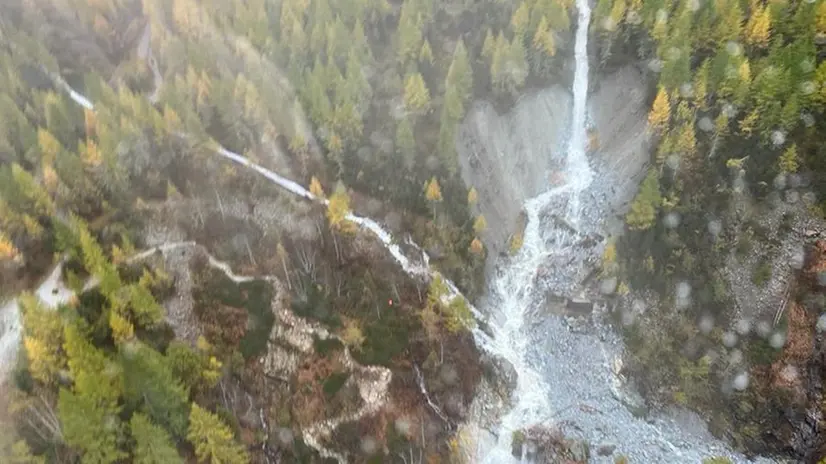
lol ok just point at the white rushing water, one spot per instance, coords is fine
(514, 291)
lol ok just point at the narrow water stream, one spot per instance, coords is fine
(515, 289)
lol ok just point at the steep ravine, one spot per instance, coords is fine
(532, 160)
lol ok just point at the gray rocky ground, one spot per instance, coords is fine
(512, 157)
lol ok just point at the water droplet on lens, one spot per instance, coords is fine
(735, 357)
(705, 124)
(742, 327)
(671, 220)
(715, 226)
(780, 181)
(729, 339)
(777, 340)
(655, 65)
(683, 290)
(778, 138)
(821, 323)
(740, 381)
(608, 286)
(734, 48)
(661, 16)
(807, 88)
(687, 90)
(763, 328)
(808, 119)
(706, 324)
(633, 18)
(673, 162)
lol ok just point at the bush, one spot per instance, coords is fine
(762, 273)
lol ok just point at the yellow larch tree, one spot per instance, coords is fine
(315, 188)
(758, 27)
(660, 111)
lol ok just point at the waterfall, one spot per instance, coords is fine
(514, 290)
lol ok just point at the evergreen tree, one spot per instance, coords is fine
(660, 111)
(459, 83)
(409, 35)
(644, 208)
(758, 28)
(405, 142)
(152, 444)
(426, 54)
(416, 94)
(91, 427)
(212, 439)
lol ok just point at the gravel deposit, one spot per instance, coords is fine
(578, 362)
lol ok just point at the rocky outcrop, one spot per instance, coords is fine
(512, 157)
(770, 238)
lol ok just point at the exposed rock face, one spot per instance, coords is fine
(544, 445)
(619, 149)
(512, 157)
(770, 235)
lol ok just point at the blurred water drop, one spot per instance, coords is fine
(797, 259)
(655, 65)
(369, 445)
(821, 323)
(608, 286)
(715, 226)
(735, 357)
(808, 119)
(633, 18)
(694, 5)
(671, 220)
(687, 90)
(740, 381)
(807, 88)
(609, 24)
(780, 181)
(733, 48)
(683, 290)
(778, 138)
(794, 181)
(705, 124)
(743, 327)
(763, 328)
(673, 162)
(777, 340)
(661, 16)
(729, 339)
(807, 65)
(673, 53)
(729, 110)
(738, 185)
(792, 196)
(403, 426)
(449, 374)
(628, 318)
(284, 435)
(706, 324)
(821, 278)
